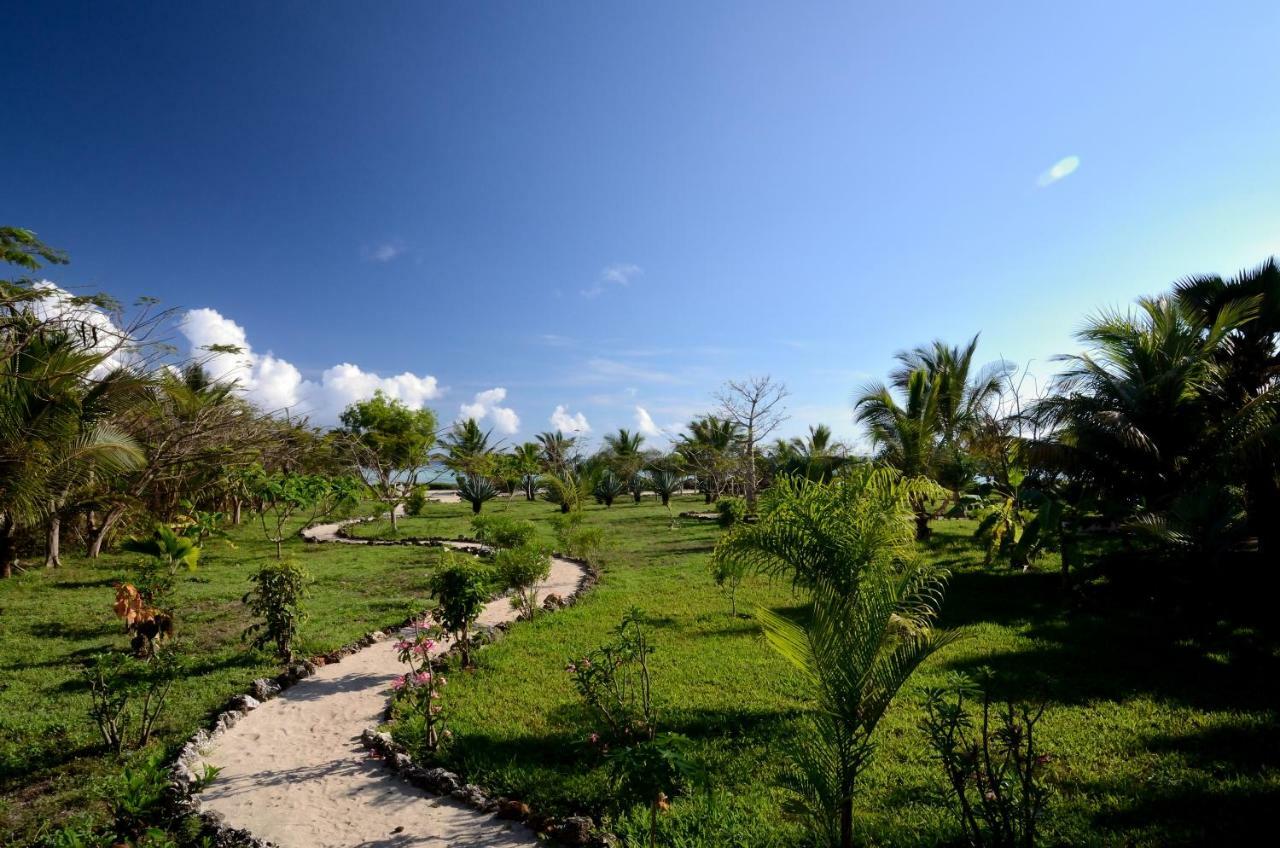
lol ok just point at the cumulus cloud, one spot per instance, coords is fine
(487, 405)
(562, 420)
(618, 275)
(274, 383)
(1061, 169)
(644, 423)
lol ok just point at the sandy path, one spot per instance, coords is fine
(294, 771)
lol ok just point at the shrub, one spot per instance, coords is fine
(503, 532)
(521, 570)
(135, 795)
(416, 501)
(461, 585)
(729, 572)
(732, 511)
(127, 695)
(573, 538)
(994, 770)
(279, 588)
(420, 690)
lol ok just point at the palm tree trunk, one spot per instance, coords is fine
(846, 823)
(8, 550)
(100, 535)
(53, 541)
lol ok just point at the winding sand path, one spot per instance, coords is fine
(293, 771)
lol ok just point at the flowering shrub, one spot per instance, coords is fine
(614, 682)
(419, 690)
(995, 771)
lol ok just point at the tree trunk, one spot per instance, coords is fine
(235, 511)
(53, 541)
(395, 521)
(846, 823)
(475, 507)
(923, 531)
(564, 506)
(749, 483)
(8, 551)
(100, 535)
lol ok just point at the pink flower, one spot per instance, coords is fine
(398, 683)
(422, 677)
(594, 738)
(403, 645)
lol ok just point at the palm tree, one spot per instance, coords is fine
(906, 435)
(961, 397)
(557, 449)
(467, 448)
(624, 443)
(816, 457)
(707, 451)
(1133, 416)
(54, 427)
(868, 626)
(527, 459)
(1249, 359)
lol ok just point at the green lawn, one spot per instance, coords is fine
(1158, 736)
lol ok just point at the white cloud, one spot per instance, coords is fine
(487, 405)
(274, 383)
(600, 368)
(644, 423)
(59, 306)
(1061, 169)
(384, 252)
(569, 424)
(619, 274)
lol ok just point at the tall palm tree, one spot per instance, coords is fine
(817, 456)
(557, 449)
(707, 450)
(850, 544)
(961, 392)
(906, 435)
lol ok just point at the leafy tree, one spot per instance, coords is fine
(868, 624)
(391, 444)
(281, 497)
(461, 588)
(277, 595)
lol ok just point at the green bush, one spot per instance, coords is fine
(521, 569)
(503, 532)
(461, 585)
(573, 539)
(732, 511)
(416, 501)
(279, 588)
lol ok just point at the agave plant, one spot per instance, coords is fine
(609, 487)
(637, 483)
(475, 490)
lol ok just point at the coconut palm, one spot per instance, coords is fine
(557, 449)
(906, 435)
(962, 393)
(816, 457)
(707, 451)
(868, 624)
(467, 449)
(527, 461)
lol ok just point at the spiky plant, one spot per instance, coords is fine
(665, 483)
(475, 490)
(566, 488)
(609, 487)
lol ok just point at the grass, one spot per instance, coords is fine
(1162, 733)
(52, 620)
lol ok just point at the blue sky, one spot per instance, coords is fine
(599, 206)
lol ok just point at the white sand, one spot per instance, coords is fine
(294, 771)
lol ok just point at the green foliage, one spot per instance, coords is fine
(566, 488)
(521, 569)
(462, 586)
(166, 552)
(475, 490)
(502, 531)
(666, 483)
(609, 487)
(614, 682)
(135, 796)
(390, 443)
(574, 538)
(467, 450)
(649, 772)
(127, 695)
(280, 497)
(732, 511)
(276, 598)
(416, 502)
(994, 767)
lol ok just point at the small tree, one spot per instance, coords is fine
(281, 497)
(390, 443)
(461, 587)
(279, 588)
(521, 570)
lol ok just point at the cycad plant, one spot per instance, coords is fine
(609, 487)
(475, 490)
(869, 622)
(665, 483)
